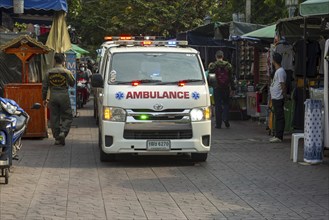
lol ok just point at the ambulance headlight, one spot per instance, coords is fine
(114, 114)
(200, 114)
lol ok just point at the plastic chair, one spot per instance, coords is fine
(294, 145)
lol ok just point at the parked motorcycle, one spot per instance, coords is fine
(13, 123)
(11, 112)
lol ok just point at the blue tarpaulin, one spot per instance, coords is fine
(55, 5)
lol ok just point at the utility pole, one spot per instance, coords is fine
(248, 10)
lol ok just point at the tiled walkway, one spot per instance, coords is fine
(244, 177)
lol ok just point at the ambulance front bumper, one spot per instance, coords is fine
(163, 138)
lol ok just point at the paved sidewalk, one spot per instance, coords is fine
(245, 177)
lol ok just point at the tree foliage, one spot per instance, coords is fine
(161, 17)
(262, 12)
(94, 19)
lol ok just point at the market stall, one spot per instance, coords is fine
(273, 44)
(307, 43)
(29, 18)
(253, 74)
(27, 93)
(320, 8)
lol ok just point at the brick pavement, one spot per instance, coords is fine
(244, 177)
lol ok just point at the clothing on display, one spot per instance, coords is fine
(287, 53)
(289, 80)
(298, 118)
(322, 43)
(263, 69)
(298, 49)
(313, 54)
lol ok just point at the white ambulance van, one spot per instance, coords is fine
(152, 99)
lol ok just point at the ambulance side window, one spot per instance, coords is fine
(107, 60)
(104, 62)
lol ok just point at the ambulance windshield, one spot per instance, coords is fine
(155, 68)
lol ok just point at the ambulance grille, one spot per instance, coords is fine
(151, 110)
(181, 134)
(159, 118)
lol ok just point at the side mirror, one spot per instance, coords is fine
(36, 106)
(97, 81)
(212, 80)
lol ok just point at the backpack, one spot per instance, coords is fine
(222, 76)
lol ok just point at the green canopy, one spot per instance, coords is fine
(314, 7)
(78, 49)
(262, 33)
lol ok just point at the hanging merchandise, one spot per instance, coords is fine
(313, 131)
(287, 53)
(246, 61)
(322, 43)
(18, 6)
(312, 51)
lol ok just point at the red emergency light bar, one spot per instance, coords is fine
(123, 37)
(135, 83)
(181, 83)
(129, 37)
(146, 43)
(108, 38)
(126, 40)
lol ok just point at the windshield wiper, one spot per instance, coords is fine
(183, 80)
(143, 81)
(148, 80)
(159, 82)
(191, 80)
(121, 82)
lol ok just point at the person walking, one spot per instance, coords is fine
(57, 80)
(223, 72)
(278, 91)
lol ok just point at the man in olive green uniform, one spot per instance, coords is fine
(58, 80)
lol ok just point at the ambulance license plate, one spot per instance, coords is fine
(158, 145)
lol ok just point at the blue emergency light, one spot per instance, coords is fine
(172, 43)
